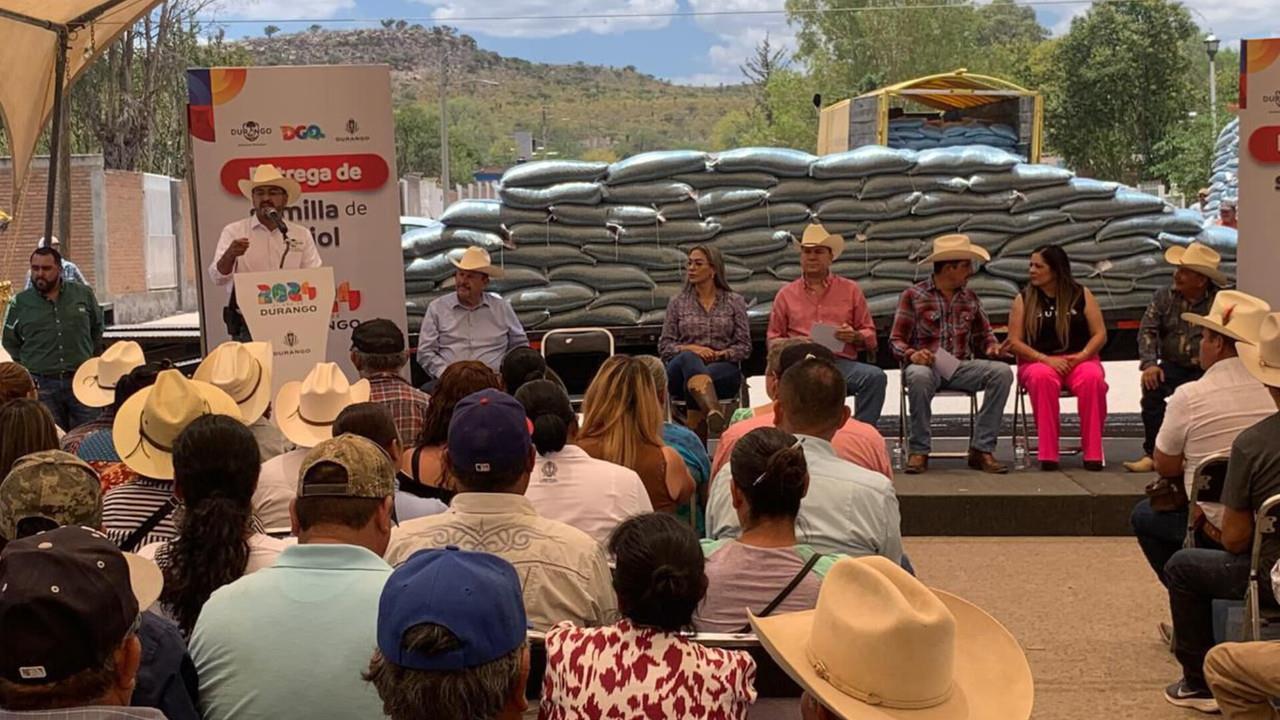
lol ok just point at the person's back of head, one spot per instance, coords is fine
(26, 426)
(660, 576)
(15, 382)
(215, 473)
(770, 473)
(811, 399)
(47, 490)
(658, 374)
(548, 408)
(489, 448)
(520, 366)
(378, 346)
(346, 487)
(370, 420)
(621, 412)
(457, 381)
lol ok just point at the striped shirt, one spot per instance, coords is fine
(408, 404)
(126, 507)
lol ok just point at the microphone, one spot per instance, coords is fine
(274, 216)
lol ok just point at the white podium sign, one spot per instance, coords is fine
(289, 309)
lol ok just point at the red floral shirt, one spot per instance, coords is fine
(619, 671)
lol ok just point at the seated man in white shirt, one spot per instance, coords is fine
(1202, 418)
(848, 509)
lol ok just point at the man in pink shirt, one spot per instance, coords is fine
(821, 299)
(857, 442)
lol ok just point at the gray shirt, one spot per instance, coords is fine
(1253, 475)
(452, 331)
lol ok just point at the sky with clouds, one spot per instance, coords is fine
(698, 49)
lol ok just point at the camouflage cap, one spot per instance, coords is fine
(50, 484)
(370, 473)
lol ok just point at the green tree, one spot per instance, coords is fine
(788, 119)
(1186, 152)
(270, 30)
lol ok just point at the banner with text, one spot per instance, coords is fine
(290, 309)
(329, 128)
(1258, 253)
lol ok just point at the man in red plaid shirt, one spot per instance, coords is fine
(379, 354)
(938, 314)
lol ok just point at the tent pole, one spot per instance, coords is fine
(55, 133)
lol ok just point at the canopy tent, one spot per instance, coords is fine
(956, 90)
(44, 46)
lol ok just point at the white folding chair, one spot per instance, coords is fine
(1264, 525)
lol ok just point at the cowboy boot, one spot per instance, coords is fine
(702, 392)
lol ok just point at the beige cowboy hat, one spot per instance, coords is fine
(243, 371)
(1198, 257)
(817, 236)
(149, 422)
(880, 645)
(305, 409)
(264, 175)
(1235, 314)
(96, 378)
(1263, 357)
(476, 259)
(955, 247)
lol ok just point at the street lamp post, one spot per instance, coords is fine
(1211, 44)
(444, 120)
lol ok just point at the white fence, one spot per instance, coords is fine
(424, 196)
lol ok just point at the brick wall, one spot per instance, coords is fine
(28, 225)
(187, 239)
(126, 233)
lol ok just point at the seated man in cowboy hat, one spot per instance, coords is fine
(94, 385)
(819, 297)
(470, 324)
(1203, 418)
(261, 241)
(1197, 576)
(941, 314)
(243, 371)
(1168, 346)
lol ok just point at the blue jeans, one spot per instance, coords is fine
(1160, 534)
(68, 412)
(993, 379)
(726, 375)
(866, 384)
(1197, 577)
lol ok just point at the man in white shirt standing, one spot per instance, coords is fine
(1202, 418)
(262, 241)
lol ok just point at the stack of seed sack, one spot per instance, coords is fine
(1224, 184)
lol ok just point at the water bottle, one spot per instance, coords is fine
(897, 455)
(1019, 454)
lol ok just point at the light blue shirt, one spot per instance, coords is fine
(452, 331)
(291, 640)
(848, 508)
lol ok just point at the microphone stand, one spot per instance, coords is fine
(284, 233)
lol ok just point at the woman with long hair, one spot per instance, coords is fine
(26, 426)
(423, 462)
(622, 423)
(660, 578)
(16, 382)
(767, 567)
(1056, 331)
(215, 471)
(704, 337)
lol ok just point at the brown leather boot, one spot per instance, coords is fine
(916, 463)
(986, 462)
(702, 392)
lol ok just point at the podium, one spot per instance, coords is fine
(291, 310)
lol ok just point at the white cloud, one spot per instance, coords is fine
(570, 16)
(281, 9)
(737, 36)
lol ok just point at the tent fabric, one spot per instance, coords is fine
(28, 54)
(952, 87)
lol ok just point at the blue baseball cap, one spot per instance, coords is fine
(475, 595)
(489, 433)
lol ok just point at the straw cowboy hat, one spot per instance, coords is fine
(956, 247)
(881, 645)
(270, 175)
(1234, 314)
(476, 259)
(1198, 257)
(817, 236)
(305, 410)
(1263, 357)
(243, 371)
(96, 378)
(149, 422)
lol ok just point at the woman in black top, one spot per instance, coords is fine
(1056, 331)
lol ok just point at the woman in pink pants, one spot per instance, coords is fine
(1056, 332)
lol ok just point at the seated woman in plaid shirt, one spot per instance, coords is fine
(938, 314)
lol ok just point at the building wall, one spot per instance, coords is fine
(126, 229)
(28, 225)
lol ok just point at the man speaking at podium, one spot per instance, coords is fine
(262, 241)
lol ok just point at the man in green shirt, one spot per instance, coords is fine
(50, 329)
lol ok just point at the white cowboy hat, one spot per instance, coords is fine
(817, 236)
(1263, 357)
(1235, 314)
(243, 371)
(96, 378)
(955, 247)
(881, 645)
(149, 422)
(305, 410)
(264, 175)
(1198, 257)
(476, 259)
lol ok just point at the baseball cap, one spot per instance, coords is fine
(801, 352)
(379, 337)
(489, 432)
(474, 595)
(370, 473)
(50, 484)
(68, 598)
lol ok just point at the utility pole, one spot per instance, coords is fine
(544, 131)
(444, 121)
